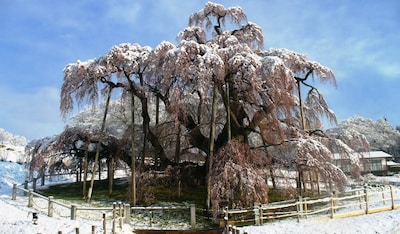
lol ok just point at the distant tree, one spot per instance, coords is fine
(380, 134)
(41, 155)
(224, 93)
(9, 138)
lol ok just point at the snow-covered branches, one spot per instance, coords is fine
(368, 134)
(217, 12)
(217, 71)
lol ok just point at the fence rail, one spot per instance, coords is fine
(351, 203)
(118, 213)
(338, 205)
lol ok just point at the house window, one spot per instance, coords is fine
(376, 165)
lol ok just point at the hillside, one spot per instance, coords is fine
(12, 147)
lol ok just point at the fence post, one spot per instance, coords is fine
(392, 196)
(30, 198)
(299, 208)
(256, 213)
(306, 208)
(14, 192)
(25, 187)
(43, 179)
(34, 181)
(120, 214)
(366, 200)
(332, 206)
(73, 212)
(104, 223)
(113, 217)
(226, 217)
(151, 218)
(127, 213)
(383, 195)
(192, 215)
(50, 208)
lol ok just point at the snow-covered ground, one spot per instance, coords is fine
(16, 217)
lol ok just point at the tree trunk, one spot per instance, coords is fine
(271, 172)
(100, 170)
(157, 110)
(96, 159)
(178, 145)
(149, 135)
(85, 168)
(228, 112)
(110, 175)
(211, 146)
(146, 126)
(133, 156)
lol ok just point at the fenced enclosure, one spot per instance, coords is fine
(357, 201)
(109, 218)
(353, 202)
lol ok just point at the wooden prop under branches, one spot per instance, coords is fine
(96, 160)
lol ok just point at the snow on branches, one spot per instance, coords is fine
(218, 64)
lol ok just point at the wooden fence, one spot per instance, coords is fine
(354, 202)
(350, 203)
(118, 214)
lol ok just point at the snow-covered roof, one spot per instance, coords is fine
(393, 164)
(371, 154)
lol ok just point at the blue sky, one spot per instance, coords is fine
(359, 40)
